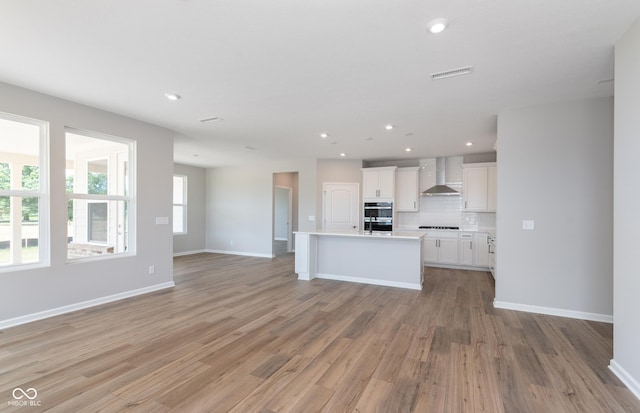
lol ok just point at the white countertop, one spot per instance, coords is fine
(402, 234)
(490, 230)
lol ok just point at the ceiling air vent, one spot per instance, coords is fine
(450, 73)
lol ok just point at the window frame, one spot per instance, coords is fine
(130, 198)
(183, 204)
(43, 195)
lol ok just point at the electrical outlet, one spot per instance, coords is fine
(527, 224)
(152, 269)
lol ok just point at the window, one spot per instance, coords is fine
(24, 187)
(179, 204)
(100, 195)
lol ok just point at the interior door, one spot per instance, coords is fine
(341, 206)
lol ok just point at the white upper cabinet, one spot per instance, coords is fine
(479, 187)
(407, 186)
(379, 184)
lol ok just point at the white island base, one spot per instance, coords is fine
(393, 260)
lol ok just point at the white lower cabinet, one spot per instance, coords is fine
(441, 247)
(474, 249)
(466, 248)
(481, 250)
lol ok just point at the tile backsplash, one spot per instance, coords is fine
(444, 211)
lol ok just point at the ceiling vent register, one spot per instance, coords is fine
(450, 73)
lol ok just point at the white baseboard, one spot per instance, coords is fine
(581, 315)
(373, 281)
(625, 377)
(247, 254)
(179, 254)
(280, 239)
(12, 322)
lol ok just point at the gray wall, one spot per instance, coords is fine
(239, 217)
(26, 292)
(555, 166)
(626, 331)
(193, 241)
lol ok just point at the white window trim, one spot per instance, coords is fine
(130, 198)
(183, 205)
(44, 216)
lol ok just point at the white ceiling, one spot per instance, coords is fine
(281, 72)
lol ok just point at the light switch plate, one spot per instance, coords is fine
(527, 224)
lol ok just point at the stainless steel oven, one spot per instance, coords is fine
(378, 216)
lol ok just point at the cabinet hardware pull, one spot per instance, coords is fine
(471, 245)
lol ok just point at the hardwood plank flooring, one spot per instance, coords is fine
(240, 334)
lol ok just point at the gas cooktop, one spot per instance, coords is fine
(438, 227)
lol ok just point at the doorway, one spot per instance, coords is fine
(285, 212)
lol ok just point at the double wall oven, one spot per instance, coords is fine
(378, 216)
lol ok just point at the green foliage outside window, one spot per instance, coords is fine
(30, 182)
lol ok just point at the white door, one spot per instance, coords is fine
(341, 206)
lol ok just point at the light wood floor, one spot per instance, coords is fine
(241, 334)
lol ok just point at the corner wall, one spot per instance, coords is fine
(626, 311)
(239, 216)
(194, 240)
(555, 167)
(28, 295)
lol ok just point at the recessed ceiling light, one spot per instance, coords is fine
(437, 25)
(368, 139)
(172, 96)
(407, 150)
(211, 119)
(343, 154)
(388, 127)
(469, 143)
(324, 135)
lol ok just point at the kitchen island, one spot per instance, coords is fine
(392, 259)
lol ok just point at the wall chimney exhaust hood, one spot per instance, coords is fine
(440, 188)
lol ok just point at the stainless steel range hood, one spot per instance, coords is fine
(440, 188)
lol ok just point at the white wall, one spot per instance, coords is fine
(24, 293)
(240, 205)
(194, 239)
(626, 311)
(555, 166)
